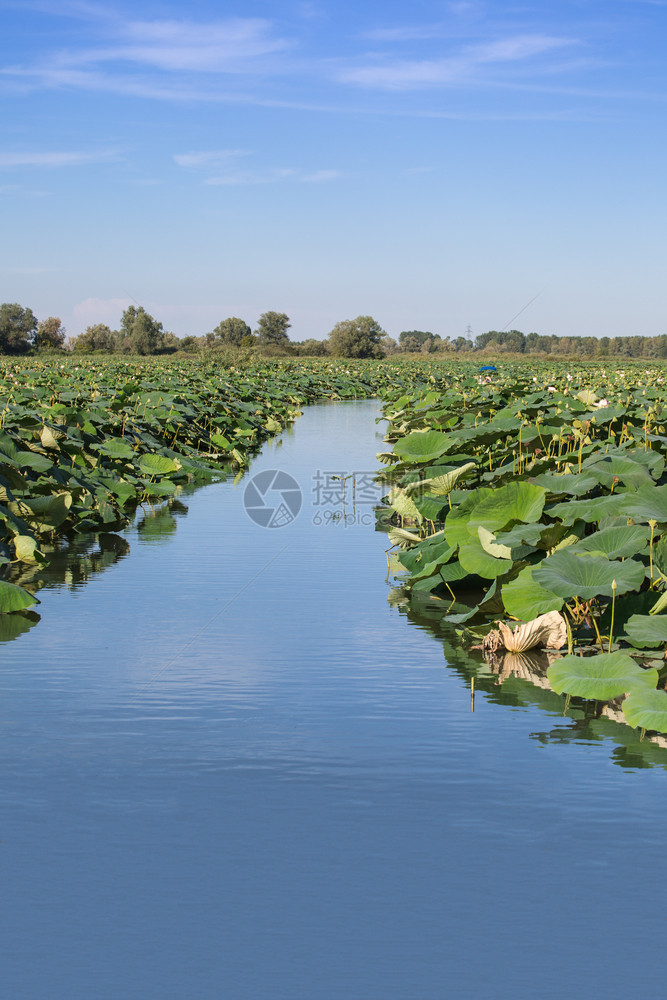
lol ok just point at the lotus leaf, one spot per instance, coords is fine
(456, 523)
(476, 560)
(648, 503)
(609, 469)
(615, 543)
(587, 575)
(600, 677)
(157, 465)
(442, 485)
(13, 598)
(33, 460)
(422, 446)
(575, 483)
(646, 709)
(514, 502)
(489, 544)
(524, 598)
(545, 632)
(114, 448)
(646, 630)
(403, 504)
(590, 510)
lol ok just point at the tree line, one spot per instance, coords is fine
(363, 337)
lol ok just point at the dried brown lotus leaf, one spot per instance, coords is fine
(546, 632)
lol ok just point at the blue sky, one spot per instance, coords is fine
(436, 165)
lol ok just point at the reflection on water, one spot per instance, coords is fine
(231, 768)
(519, 679)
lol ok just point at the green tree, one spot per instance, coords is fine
(17, 326)
(231, 331)
(96, 338)
(272, 328)
(312, 348)
(50, 334)
(413, 340)
(141, 334)
(190, 344)
(357, 338)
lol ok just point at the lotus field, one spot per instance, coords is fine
(83, 445)
(527, 508)
(541, 499)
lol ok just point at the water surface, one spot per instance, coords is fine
(232, 769)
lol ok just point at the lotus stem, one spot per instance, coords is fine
(613, 605)
(597, 630)
(652, 524)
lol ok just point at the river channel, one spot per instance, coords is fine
(232, 768)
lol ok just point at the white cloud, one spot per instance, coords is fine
(270, 176)
(273, 175)
(320, 176)
(233, 45)
(463, 67)
(55, 159)
(406, 33)
(208, 158)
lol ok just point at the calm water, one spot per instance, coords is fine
(231, 769)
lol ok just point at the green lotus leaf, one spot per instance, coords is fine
(48, 512)
(590, 510)
(431, 561)
(660, 555)
(514, 502)
(645, 631)
(615, 543)
(456, 522)
(575, 483)
(647, 709)
(13, 598)
(403, 504)
(489, 544)
(426, 550)
(422, 446)
(220, 441)
(32, 460)
(25, 547)
(587, 575)
(608, 470)
(524, 598)
(521, 535)
(157, 465)
(648, 503)
(443, 484)
(430, 507)
(475, 560)
(604, 414)
(114, 448)
(600, 677)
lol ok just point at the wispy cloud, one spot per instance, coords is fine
(55, 159)
(215, 47)
(209, 158)
(407, 33)
(320, 176)
(273, 175)
(462, 67)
